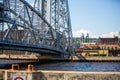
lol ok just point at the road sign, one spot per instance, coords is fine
(19, 77)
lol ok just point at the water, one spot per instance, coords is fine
(78, 66)
(9, 61)
(81, 66)
(6, 64)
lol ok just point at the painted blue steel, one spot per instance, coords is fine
(57, 46)
(10, 45)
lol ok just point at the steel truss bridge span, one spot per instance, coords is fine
(36, 26)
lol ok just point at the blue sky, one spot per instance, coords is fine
(99, 18)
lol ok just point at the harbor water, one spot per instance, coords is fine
(81, 66)
(69, 66)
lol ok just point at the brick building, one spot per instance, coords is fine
(109, 43)
(109, 40)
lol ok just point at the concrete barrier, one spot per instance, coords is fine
(57, 75)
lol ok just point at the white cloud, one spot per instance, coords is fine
(111, 34)
(79, 32)
(92, 35)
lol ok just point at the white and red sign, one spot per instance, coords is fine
(19, 78)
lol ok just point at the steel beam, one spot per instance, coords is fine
(44, 26)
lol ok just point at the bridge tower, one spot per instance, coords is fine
(42, 26)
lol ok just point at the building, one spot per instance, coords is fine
(99, 46)
(114, 40)
(109, 43)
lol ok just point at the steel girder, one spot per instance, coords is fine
(43, 23)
